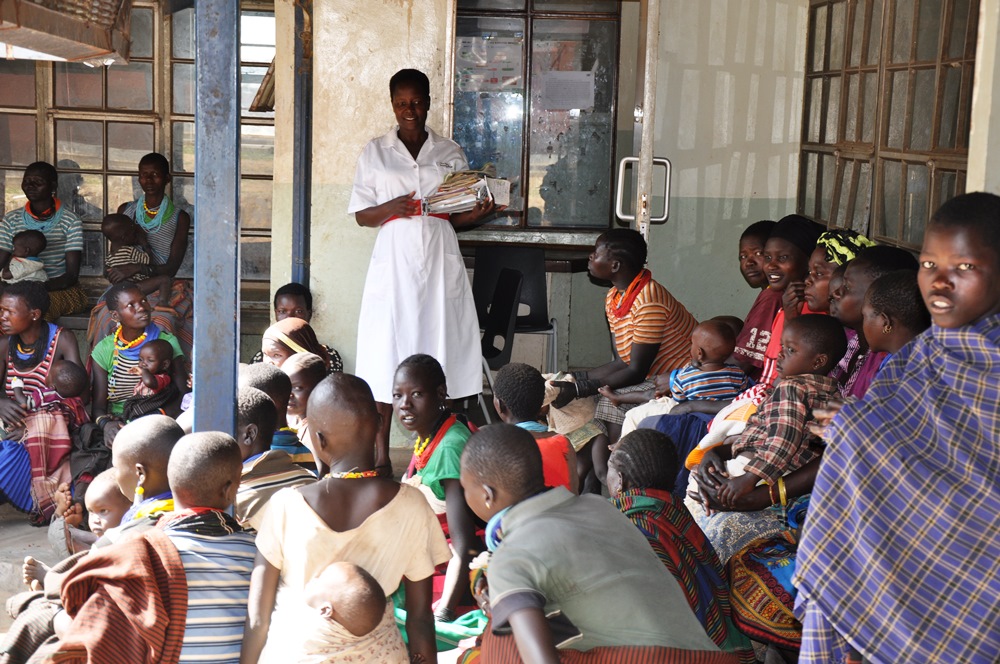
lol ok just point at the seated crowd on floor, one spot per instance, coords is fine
(813, 480)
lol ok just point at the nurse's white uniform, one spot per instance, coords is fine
(417, 297)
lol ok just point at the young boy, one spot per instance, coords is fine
(265, 471)
(548, 582)
(907, 495)
(155, 389)
(293, 300)
(24, 263)
(129, 246)
(518, 392)
(775, 440)
(275, 383)
(105, 508)
(305, 371)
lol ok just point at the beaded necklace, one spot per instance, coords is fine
(152, 219)
(351, 475)
(122, 344)
(39, 222)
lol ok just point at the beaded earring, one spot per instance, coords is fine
(139, 491)
(887, 328)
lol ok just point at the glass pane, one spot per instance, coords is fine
(250, 80)
(812, 173)
(10, 187)
(917, 190)
(575, 6)
(868, 111)
(947, 186)
(897, 109)
(929, 30)
(142, 33)
(255, 258)
(17, 139)
(875, 34)
(78, 86)
(861, 208)
(852, 108)
(949, 107)
(122, 189)
(257, 150)
(489, 98)
(182, 34)
(831, 134)
(838, 33)
(92, 260)
(828, 177)
(257, 37)
(815, 110)
(183, 84)
(819, 38)
(127, 143)
(959, 28)
(83, 193)
(255, 204)
(182, 152)
(182, 191)
(130, 87)
(902, 33)
(492, 4)
(81, 141)
(858, 32)
(844, 203)
(923, 110)
(17, 83)
(892, 174)
(572, 125)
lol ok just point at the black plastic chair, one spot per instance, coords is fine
(498, 332)
(530, 261)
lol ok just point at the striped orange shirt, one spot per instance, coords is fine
(656, 317)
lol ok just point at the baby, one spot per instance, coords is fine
(343, 594)
(129, 247)
(707, 377)
(155, 388)
(24, 263)
(65, 381)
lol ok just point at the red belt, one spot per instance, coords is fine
(432, 214)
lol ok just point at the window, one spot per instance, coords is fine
(99, 121)
(886, 113)
(535, 85)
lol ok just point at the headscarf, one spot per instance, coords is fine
(299, 336)
(798, 230)
(842, 244)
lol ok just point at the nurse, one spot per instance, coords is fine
(417, 297)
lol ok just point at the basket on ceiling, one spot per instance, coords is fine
(92, 31)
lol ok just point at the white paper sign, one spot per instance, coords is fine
(567, 90)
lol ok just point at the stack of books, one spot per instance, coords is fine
(463, 190)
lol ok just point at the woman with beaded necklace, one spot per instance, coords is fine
(117, 354)
(36, 460)
(166, 228)
(63, 232)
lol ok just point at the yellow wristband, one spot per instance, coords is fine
(781, 491)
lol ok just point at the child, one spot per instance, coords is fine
(275, 383)
(344, 597)
(265, 471)
(894, 313)
(775, 441)
(901, 529)
(548, 581)
(305, 371)
(518, 392)
(707, 377)
(65, 384)
(352, 515)
(155, 389)
(294, 300)
(24, 262)
(129, 246)
(105, 508)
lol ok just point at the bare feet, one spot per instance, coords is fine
(609, 394)
(74, 515)
(63, 499)
(33, 573)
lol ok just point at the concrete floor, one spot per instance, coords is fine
(17, 540)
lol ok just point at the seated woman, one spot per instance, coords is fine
(290, 336)
(166, 230)
(34, 454)
(352, 515)
(641, 475)
(115, 356)
(419, 394)
(293, 300)
(63, 232)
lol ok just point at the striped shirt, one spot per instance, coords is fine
(66, 234)
(218, 578)
(160, 239)
(693, 383)
(655, 317)
(263, 476)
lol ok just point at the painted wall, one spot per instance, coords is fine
(984, 132)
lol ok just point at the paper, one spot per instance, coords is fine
(500, 189)
(567, 90)
(488, 64)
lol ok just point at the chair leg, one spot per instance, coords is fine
(482, 399)
(486, 409)
(553, 354)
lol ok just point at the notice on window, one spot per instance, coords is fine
(568, 90)
(488, 64)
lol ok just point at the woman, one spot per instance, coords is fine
(32, 465)
(117, 354)
(63, 232)
(290, 336)
(417, 297)
(166, 228)
(294, 300)
(641, 475)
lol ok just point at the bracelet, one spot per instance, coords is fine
(102, 421)
(770, 493)
(781, 491)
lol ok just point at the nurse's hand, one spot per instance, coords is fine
(401, 206)
(482, 210)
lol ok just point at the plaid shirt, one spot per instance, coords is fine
(776, 435)
(899, 553)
